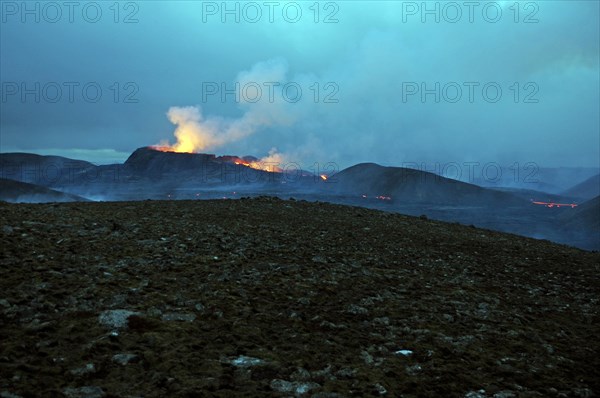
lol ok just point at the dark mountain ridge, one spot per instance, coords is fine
(154, 174)
(22, 192)
(410, 186)
(587, 189)
(44, 170)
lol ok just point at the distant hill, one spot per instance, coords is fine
(582, 225)
(410, 185)
(554, 180)
(22, 192)
(153, 174)
(584, 216)
(530, 194)
(48, 171)
(585, 190)
(23, 158)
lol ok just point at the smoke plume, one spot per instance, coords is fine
(194, 132)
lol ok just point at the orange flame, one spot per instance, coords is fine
(165, 148)
(195, 134)
(269, 163)
(262, 164)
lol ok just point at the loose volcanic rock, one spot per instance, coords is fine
(274, 298)
(115, 318)
(84, 392)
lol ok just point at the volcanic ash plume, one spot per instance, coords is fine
(192, 133)
(196, 133)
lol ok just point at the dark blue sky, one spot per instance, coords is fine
(361, 68)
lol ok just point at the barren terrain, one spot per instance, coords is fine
(267, 297)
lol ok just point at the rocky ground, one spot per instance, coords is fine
(266, 297)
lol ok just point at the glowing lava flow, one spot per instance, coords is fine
(270, 167)
(552, 204)
(380, 197)
(164, 148)
(269, 164)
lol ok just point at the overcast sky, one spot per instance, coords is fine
(504, 82)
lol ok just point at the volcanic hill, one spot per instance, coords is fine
(22, 192)
(275, 298)
(586, 189)
(416, 186)
(150, 173)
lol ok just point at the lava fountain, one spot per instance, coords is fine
(195, 134)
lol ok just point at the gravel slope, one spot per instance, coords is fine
(266, 297)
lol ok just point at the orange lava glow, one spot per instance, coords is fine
(167, 148)
(379, 197)
(552, 204)
(259, 165)
(265, 164)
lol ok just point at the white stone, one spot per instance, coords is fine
(244, 361)
(115, 318)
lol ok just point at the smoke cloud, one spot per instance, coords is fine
(195, 133)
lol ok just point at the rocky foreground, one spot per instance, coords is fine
(266, 297)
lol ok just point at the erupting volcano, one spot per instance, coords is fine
(272, 167)
(195, 134)
(271, 163)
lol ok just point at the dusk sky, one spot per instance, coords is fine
(340, 81)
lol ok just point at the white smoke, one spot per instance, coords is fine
(195, 132)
